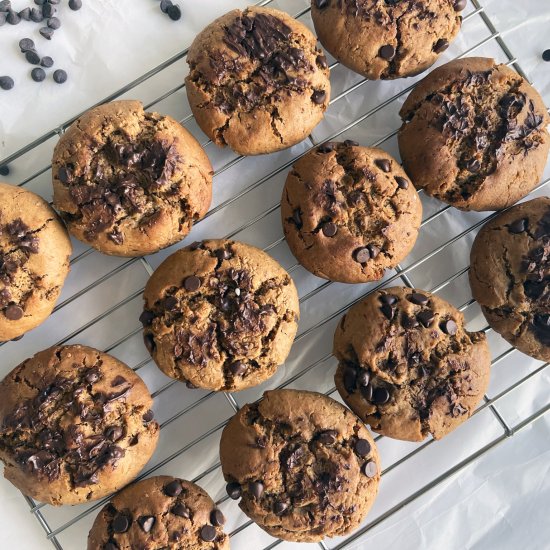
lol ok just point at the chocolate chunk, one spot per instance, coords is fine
(326, 147)
(350, 379)
(426, 317)
(217, 518)
(256, 488)
(519, 226)
(441, 45)
(418, 299)
(164, 5)
(363, 378)
(208, 533)
(60, 76)
(318, 97)
(380, 396)
(237, 368)
(173, 489)
(367, 391)
(234, 490)
(387, 52)
(13, 313)
(46, 32)
(362, 447)
(114, 433)
(181, 510)
(192, 283)
(6, 82)
(146, 523)
(402, 183)
(449, 327)
(329, 229)
(26, 44)
(146, 318)
(32, 57)
(279, 507)
(38, 74)
(4, 168)
(174, 12)
(75, 5)
(328, 437)
(148, 416)
(223, 254)
(120, 523)
(361, 255)
(459, 5)
(46, 62)
(369, 469)
(170, 303)
(388, 311)
(383, 164)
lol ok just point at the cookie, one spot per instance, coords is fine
(303, 466)
(412, 369)
(474, 135)
(390, 39)
(34, 260)
(257, 82)
(75, 425)
(220, 315)
(510, 276)
(161, 512)
(130, 182)
(349, 212)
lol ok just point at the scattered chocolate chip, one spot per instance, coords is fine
(387, 52)
(328, 437)
(75, 5)
(60, 76)
(54, 23)
(361, 255)
(546, 55)
(367, 391)
(48, 10)
(146, 523)
(234, 490)
(459, 5)
(350, 379)
(5, 5)
(192, 283)
(46, 32)
(38, 74)
(362, 447)
(369, 468)
(256, 488)
(181, 510)
(174, 12)
(32, 57)
(208, 533)
(217, 518)
(519, 226)
(402, 183)
(380, 396)
(173, 489)
(6, 82)
(36, 15)
(388, 311)
(13, 18)
(25, 14)
(237, 368)
(120, 523)
(449, 327)
(329, 229)
(318, 96)
(418, 299)
(13, 313)
(4, 170)
(148, 416)
(441, 45)
(26, 44)
(114, 433)
(426, 317)
(351, 143)
(383, 164)
(165, 4)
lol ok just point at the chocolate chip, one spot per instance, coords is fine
(362, 447)
(279, 507)
(5, 5)
(361, 255)
(146, 318)
(321, 60)
(256, 488)
(322, 4)
(329, 229)
(380, 396)
(373, 250)
(146, 523)
(64, 174)
(92, 377)
(114, 433)
(36, 15)
(6, 82)
(149, 341)
(46, 62)
(389, 299)
(120, 523)
(192, 283)
(60, 76)
(542, 320)
(449, 327)
(350, 379)
(173, 489)
(208, 533)
(402, 183)
(32, 57)
(223, 254)
(54, 23)
(75, 5)
(181, 510)
(48, 10)
(459, 5)
(297, 218)
(383, 164)
(328, 437)
(367, 391)
(13, 18)
(38, 74)
(318, 96)
(164, 5)
(217, 518)
(418, 299)
(4, 169)
(546, 55)
(234, 490)
(237, 368)
(441, 45)
(388, 311)
(13, 313)
(369, 469)
(170, 303)
(148, 416)
(473, 166)
(519, 226)
(387, 52)
(351, 143)
(46, 32)
(426, 317)
(26, 44)
(25, 14)
(363, 378)
(174, 12)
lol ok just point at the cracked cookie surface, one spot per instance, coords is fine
(34, 260)
(474, 135)
(386, 39)
(130, 182)
(220, 315)
(161, 512)
(510, 276)
(349, 212)
(257, 81)
(303, 465)
(407, 366)
(75, 425)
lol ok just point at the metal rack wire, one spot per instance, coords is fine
(57, 525)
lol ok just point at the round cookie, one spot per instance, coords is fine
(412, 369)
(34, 260)
(161, 512)
(130, 182)
(387, 39)
(510, 276)
(220, 315)
(349, 212)
(257, 81)
(75, 425)
(304, 466)
(474, 135)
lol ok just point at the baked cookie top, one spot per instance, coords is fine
(257, 81)
(303, 465)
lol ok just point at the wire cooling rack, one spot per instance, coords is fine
(101, 301)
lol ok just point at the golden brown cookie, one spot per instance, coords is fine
(510, 276)
(474, 135)
(158, 513)
(304, 466)
(408, 366)
(220, 315)
(75, 425)
(34, 260)
(130, 182)
(349, 212)
(257, 81)
(387, 38)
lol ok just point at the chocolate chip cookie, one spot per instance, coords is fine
(412, 369)
(75, 425)
(474, 135)
(257, 81)
(387, 39)
(303, 466)
(220, 315)
(34, 260)
(510, 276)
(130, 182)
(159, 513)
(349, 212)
